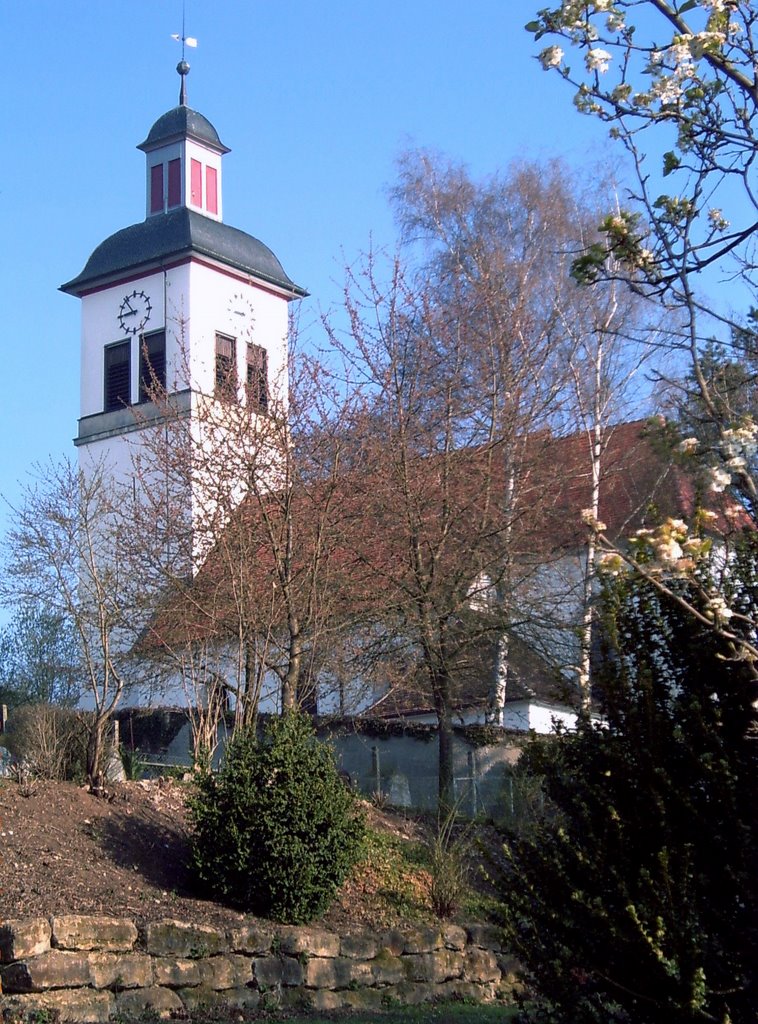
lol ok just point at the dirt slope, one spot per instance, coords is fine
(65, 851)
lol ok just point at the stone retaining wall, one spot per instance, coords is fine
(95, 968)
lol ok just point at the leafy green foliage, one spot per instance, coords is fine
(276, 831)
(633, 899)
(394, 864)
(39, 659)
(132, 762)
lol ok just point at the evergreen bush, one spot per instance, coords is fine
(276, 831)
(632, 900)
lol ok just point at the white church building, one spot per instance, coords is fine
(185, 305)
(179, 301)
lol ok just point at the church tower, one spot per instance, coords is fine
(180, 303)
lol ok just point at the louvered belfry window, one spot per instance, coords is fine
(257, 377)
(117, 376)
(152, 366)
(226, 368)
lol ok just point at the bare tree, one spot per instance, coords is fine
(248, 601)
(462, 362)
(614, 348)
(473, 351)
(65, 549)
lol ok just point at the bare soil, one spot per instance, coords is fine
(66, 851)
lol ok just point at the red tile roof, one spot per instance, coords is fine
(365, 545)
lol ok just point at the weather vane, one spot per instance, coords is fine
(183, 67)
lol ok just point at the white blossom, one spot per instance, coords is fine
(551, 57)
(706, 42)
(717, 219)
(589, 519)
(696, 546)
(644, 259)
(667, 89)
(597, 60)
(720, 479)
(668, 550)
(688, 445)
(742, 440)
(680, 54)
(718, 610)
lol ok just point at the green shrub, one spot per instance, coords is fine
(276, 831)
(132, 762)
(633, 899)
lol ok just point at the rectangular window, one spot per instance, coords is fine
(156, 189)
(211, 190)
(226, 368)
(196, 183)
(257, 377)
(174, 183)
(117, 375)
(152, 366)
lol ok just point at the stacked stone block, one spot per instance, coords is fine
(96, 968)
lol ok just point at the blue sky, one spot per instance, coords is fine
(316, 100)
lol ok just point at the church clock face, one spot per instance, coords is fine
(134, 312)
(242, 310)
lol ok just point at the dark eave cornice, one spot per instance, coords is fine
(170, 236)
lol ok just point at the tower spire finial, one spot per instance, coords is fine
(183, 67)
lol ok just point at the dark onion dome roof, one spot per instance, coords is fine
(168, 236)
(182, 122)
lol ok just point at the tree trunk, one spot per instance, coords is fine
(292, 678)
(495, 712)
(252, 688)
(96, 751)
(445, 767)
(446, 780)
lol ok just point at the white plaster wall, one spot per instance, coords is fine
(549, 603)
(220, 302)
(178, 334)
(520, 716)
(193, 302)
(178, 685)
(525, 716)
(100, 327)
